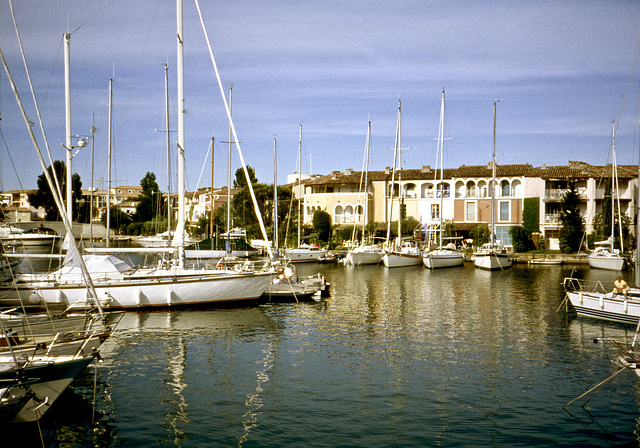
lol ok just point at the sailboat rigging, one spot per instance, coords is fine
(493, 255)
(119, 285)
(304, 252)
(407, 252)
(449, 255)
(606, 256)
(365, 253)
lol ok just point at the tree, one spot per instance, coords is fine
(480, 234)
(572, 229)
(119, 218)
(43, 197)
(531, 215)
(520, 238)
(150, 205)
(322, 225)
(241, 180)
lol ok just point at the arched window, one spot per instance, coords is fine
(460, 189)
(505, 189)
(443, 190)
(359, 216)
(410, 190)
(483, 189)
(471, 189)
(396, 190)
(339, 214)
(516, 188)
(348, 214)
(427, 190)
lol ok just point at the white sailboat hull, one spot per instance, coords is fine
(299, 255)
(398, 260)
(443, 259)
(359, 257)
(606, 306)
(612, 262)
(492, 261)
(165, 288)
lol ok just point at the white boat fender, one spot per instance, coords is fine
(35, 298)
(602, 302)
(626, 306)
(580, 297)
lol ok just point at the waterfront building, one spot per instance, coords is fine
(467, 196)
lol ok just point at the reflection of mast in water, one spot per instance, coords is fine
(254, 399)
(175, 384)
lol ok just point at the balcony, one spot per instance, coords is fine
(557, 194)
(348, 219)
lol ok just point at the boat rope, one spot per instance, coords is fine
(235, 134)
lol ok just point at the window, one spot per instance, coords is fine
(435, 212)
(503, 210)
(470, 211)
(505, 190)
(427, 190)
(516, 188)
(482, 186)
(410, 190)
(471, 189)
(348, 214)
(441, 189)
(460, 189)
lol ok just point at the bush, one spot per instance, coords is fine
(521, 241)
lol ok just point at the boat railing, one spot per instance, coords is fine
(572, 284)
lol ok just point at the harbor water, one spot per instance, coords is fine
(401, 357)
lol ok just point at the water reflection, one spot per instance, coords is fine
(408, 357)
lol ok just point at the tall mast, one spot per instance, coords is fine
(67, 113)
(167, 125)
(441, 133)
(393, 175)
(299, 184)
(400, 189)
(109, 140)
(493, 177)
(615, 188)
(366, 182)
(229, 164)
(637, 260)
(93, 139)
(275, 199)
(213, 141)
(181, 138)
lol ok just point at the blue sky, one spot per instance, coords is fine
(563, 71)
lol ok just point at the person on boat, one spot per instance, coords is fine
(620, 286)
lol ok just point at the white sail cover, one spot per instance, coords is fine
(97, 263)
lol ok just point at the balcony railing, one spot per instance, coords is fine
(558, 193)
(349, 219)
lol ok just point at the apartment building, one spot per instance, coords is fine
(462, 196)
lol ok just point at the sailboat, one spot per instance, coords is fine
(119, 285)
(303, 252)
(448, 255)
(493, 255)
(405, 252)
(606, 256)
(365, 253)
